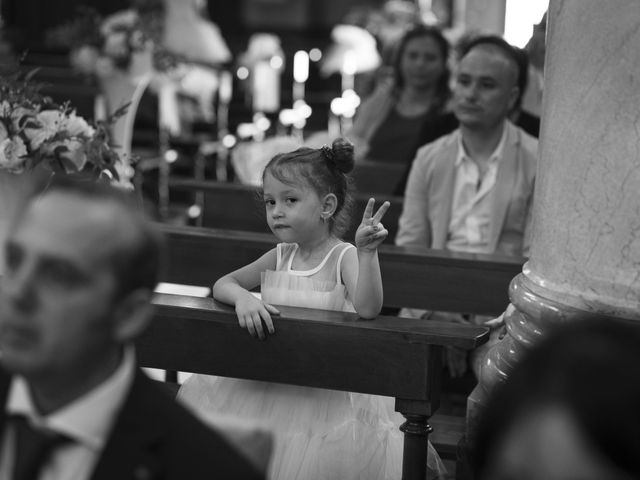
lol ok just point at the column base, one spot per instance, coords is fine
(531, 313)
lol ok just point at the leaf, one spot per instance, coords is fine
(119, 112)
(31, 74)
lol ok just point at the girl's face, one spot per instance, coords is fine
(421, 63)
(293, 211)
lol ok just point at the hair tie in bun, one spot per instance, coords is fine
(328, 154)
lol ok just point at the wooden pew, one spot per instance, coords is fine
(62, 84)
(238, 207)
(376, 178)
(395, 357)
(418, 278)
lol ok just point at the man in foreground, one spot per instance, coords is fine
(81, 266)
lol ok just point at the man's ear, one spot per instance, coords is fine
(513, 97)
(133, 314)
(329, 205)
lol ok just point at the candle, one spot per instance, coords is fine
(225, 93)
(225, 90)
(334, 126)
(300, 74)
(336, 110)
(301, 66)
(349, 65)
(266, 88)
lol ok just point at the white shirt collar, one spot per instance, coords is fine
(87, 419)
(495, 157)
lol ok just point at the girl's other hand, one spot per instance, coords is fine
(252, 312)
(371, 233)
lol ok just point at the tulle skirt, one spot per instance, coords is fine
(319, 434)
(279, 287)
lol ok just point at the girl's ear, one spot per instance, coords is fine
(329, 205)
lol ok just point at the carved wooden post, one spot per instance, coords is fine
(585, 256)
(416, 429)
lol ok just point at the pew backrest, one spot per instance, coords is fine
(418, 278)
(239, 207)
(387, 356)
(376, 178)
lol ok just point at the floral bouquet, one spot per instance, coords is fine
(120, 37)
(103, 45)
(35, 131)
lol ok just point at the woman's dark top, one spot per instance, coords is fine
(396, 139)
(434, 127)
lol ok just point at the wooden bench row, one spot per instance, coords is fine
(239, 207)
(396, 357)
(418, 278)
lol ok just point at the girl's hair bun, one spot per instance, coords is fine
(340, 156)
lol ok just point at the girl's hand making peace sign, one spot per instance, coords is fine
(371, 233)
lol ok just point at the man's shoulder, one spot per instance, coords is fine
(187, 440)
(438, 149)
(527, 143)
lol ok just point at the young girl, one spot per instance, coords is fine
(320, 434)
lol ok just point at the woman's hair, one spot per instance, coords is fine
(443, 91)
(324, 169)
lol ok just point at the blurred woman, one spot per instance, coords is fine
(406, 110)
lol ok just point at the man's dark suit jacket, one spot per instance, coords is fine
(155, 438)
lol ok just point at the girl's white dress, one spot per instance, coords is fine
(320, 434)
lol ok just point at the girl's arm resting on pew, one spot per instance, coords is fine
(234, 289)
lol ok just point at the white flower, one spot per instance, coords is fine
(84, 59)
(262, 46)
(74, 152)
(4, 134)
(77, 126)
(123, 18)
(105, 67)
(50, 122)
(116, 45)
(71, 152)
(12, 153)
(350, 38)
(19, 117)
(5, 109)
(137, 39)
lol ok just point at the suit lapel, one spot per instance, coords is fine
(443, 185)
(131, 451)
(503, 188)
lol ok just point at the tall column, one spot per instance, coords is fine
(585, 256)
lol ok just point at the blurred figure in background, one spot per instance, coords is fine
(472, 190)
(569, 409)
(188, 33)
(535, 49)
(405, 111)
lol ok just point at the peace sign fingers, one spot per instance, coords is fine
(380, 213)
(368, 218)
(368, 212)
(371, 232)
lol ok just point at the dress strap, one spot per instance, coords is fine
(338, 266)
(314, 270)
(278, 256)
